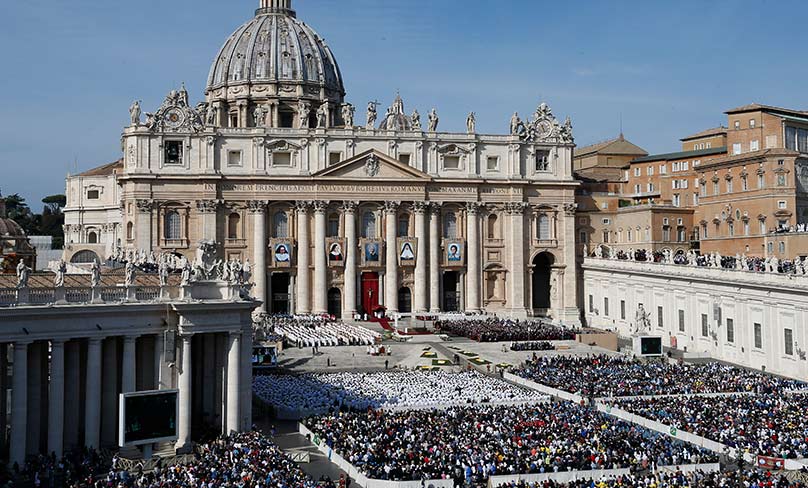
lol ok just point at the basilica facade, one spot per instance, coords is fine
(344, 216)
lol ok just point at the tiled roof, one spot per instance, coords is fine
(770, 108)
(681, 155)
(105, 170)
(618, 145)
(706, 133)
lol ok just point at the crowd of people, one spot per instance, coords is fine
(317, 393)
(314, 331)
(497, 329)
(613, 376)
(532, 346)
(747, 478)
(769, 425)
(470, 444)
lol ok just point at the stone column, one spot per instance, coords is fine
(303, 259)
(56, 398)
(19, 404)
(258, 211)
(245, 380)
(185, 376)
(320, 263)
(420, 258)
(128, 365)
(351, 251)
(109, 391)
(517, 265)
(3, 388)
(72, 394)
(207, 210)
(474, 270)
(233, 381)
(159, 345)
(434, 257)
(391, 257)
(92, 402)
(569, 279)
(34, 426)
(143, 224)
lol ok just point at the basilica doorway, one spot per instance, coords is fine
(542, 265)
(335, 302)
(280, 293)
(370, 292)
(451, 292)
(404, 300)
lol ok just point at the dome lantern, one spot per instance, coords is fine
(275, 7)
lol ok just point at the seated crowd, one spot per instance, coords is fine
(247, 460)
(315, 331)
(316, 393)
(495, 329)
(748, 478)
(532, 346)
(473, 443)
(607, 376)
(769, 425)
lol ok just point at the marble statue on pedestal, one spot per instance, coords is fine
(134, 113)
(416, 120)
(371, 115)
(59, 278)
(129, 274)
(95, 275)
(471, 123)
(433, 120)
(23, 273)
(348, 112)
(642, 321)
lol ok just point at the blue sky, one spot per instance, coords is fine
(71, 68)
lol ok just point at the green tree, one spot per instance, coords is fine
(52, 220)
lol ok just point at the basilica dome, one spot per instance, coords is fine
(275, 55)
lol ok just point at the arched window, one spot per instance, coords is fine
(92, 237)
(450, 226)
(173, 225)
(233, 223)
(84, 257)
(368, 224)
(403, 227)
(493, 227)
(130, 231)
(333, 225)
(544, 227)
(280, 225)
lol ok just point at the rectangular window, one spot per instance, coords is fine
(605, 307)
(622, 310)
(233, 159)
(736, 148)
(729, 186)
(751, 123)
(282, 159)
(802, 141)
(681, 320)
(746, 228)
(93, 194)
(637, 171)
(666, 234)
(791, 138)
(591, 303)
(173, 152)
(716, 190)
(605, 236)
(677, 201)
(542, 160)
(744, 183)
(781, 204)
(782, 247)
(650, 171)
(637, 189)
(730, 331)
(737, 124)
(492, 163)
(663, 169)
(660, 317)
(758, 328)
(650, 187)
(584, 237)
(761, 181)
(685, 165)
(754, 145)
(451, 162)
(705, 326)
(781, 180)
(788, 336)
(334, 158)
(404, 158)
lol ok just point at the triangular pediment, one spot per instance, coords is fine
(374, 165)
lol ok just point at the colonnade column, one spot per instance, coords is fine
(92, 402)
(474, 271)
(56, 398)
(434, 257)
(351, 250)
(421, 258)
(233, 381)
(303, 263)
(72, 394)
(516, 249)
(184, 420)
(391, 258)
(3, 389)
(19, 404)
(159, 345)
(320, 264)
(128, 364)
(258, 211)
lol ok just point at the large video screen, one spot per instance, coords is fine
(651, 346)
(149, 417)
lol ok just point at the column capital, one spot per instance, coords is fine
(302, 206)
(349, 206)
(570, 208)
(320, 206)
(145, 206)
(131, 338)
(420, 207)
(473, 208)
(207, 206)
(434, 207)
(256, 206)
(236, 333)
(391, 206)
(515, 208)
(58, 342)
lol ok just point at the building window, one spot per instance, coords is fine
(173, 225)
(282, 159)
(583, 237)
(781, 204)
(716, 189)
(403, 227)
(605, 237)
(736, 148)
(591, 304)
(782, 247)
(781, 180)
(731, 228)
(754, 145)
(659, 317)
(666, 234)
(493, 228)
(680, 234)
(770, 247)
(637, 171)
(130, 231)
(451, 162)
(544, 227)
(744, 183)
(704, 231)
(663, 169)
(233, 222)
(729, 186)
(280, 225)
(542, 160)
(333, 225)
(450, 226)
(404, 158)
(737, 124)
(649, 171)
(92, 238)
(751, 123)
(758, 328)
(705, 327)
(761, 181)
(93, 194)
(622, 310)
(234, 159)
(681, 320)
(677, 200)
(788, 336)
(173, 152)
(492, 163)
(605, 307)
(746, 228)
(334, 158)
(637, 189)
(628, 235)
(730, 330)
(650, 187)
(369, 225)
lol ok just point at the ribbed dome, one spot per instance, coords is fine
(9, 228)
(275, 48)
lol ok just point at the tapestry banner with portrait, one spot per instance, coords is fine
(407, 249)
(371, 252)
(454, 252)
(281, 251)
(335, 251)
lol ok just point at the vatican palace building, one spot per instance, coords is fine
(337, 211)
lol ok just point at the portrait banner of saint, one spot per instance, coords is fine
(454, 253)
(406, 251)
(371, 253)
(282, 254)
(336, 252)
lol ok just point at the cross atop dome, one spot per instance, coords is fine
(275, 7)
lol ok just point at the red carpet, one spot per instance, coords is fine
(385, 323)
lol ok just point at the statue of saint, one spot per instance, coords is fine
(322, 116)
(416, 120)
(212, 114)
(303, 109)
(471, 123)
(371, 115)
(129, 278)
(59, 279)
(162, 271)
(23, 273)
(186, 273)
(95, 275)
(348, 112)
(433, 120)
(134, 113)
(515, 123)
(260, 116)
(182, 97)
(642, 319)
